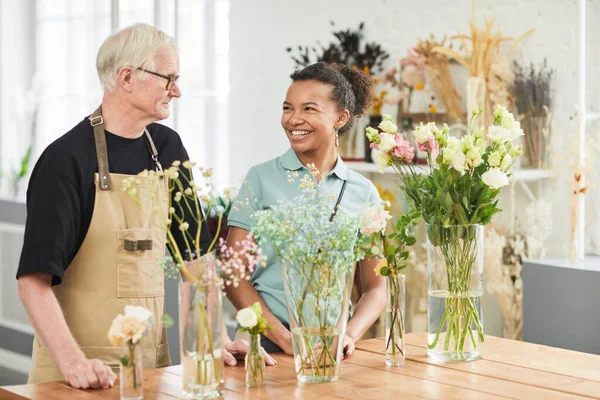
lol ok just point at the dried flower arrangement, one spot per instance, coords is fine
(348, 50)
(532, 91)
(491, 75)
(437, 67)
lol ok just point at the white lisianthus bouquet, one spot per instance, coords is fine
(457, 195)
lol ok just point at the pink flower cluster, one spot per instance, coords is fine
(431, 146)
(237, 263)
(403, 149)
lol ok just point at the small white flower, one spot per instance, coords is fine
(188, 164)
(176, 163)
(386, 117)
(494, 159)
(424, 132)
(495, 178)
(372, 134)
(506, 162)
(498, 134)
(387, 142)
(177, 197)
(247, 318)
(381, 159)
(389, 127)
(459, 161)
(207, 173)
(184, 226)
(188, 191)
(516, 151)
(448, 154)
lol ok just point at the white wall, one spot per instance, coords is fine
(260, 67)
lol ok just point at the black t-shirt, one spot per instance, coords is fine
(61, 192)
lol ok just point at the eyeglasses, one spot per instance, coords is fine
(171, 79)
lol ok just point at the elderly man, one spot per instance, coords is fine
(75, 275)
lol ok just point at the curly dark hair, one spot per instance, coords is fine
(351, 87)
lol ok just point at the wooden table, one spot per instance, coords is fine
(510, 369)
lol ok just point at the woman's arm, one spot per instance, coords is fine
(369, 306)
(245, 295)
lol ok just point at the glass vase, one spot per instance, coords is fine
(131, 373)
(455, 290)
(394, 333)
(535, 141)
(255, 363)
(200, 332)
(318, 301)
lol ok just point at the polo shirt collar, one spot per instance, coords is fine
(290, 161)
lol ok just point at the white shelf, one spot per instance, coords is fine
(520, 175)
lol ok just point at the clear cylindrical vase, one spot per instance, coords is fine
(318, 301)
(200, 332)
(131, 372)
(455, 290)
(394, 333)
(255, 363)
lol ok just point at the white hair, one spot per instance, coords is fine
(134, 46)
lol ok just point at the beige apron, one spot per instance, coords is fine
(109, 271)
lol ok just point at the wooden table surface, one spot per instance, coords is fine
(510, 369)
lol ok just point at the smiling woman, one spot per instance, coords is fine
(321, 103)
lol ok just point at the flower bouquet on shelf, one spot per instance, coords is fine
(205, 271)
(126, 331)
(318, 250)
(392, 250)
(457, 196)
(252, 321)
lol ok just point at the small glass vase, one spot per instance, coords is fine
(131, 372)
(394, 333)
(455, 290)
(255, 363)
(318, 301)
(200, 332)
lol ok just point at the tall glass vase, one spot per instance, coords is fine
(200, 332)
(455, 290)
(318, 301)
(131, 374)
(394, 333)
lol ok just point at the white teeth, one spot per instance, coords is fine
(300, 133)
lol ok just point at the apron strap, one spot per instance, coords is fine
(101, 153)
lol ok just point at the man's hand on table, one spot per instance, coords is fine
(89, 374)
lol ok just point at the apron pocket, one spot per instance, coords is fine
(140, 256)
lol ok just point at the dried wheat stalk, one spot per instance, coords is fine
(437, 67)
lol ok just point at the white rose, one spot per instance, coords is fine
(495, 178)
(423, 132)
(498, 134)
(247, 318)
(459, 161)
(387, 142)
(137, 312)
(494, 159)
(389, 127)
(381, 159)
(516, 151)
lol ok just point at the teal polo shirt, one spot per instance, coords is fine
(264, 186)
